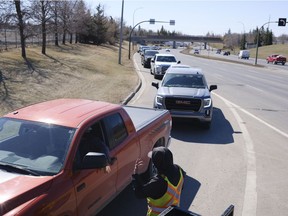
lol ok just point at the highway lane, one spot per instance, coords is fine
(242, 159)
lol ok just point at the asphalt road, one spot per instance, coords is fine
(242, 160)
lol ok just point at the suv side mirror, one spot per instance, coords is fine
(155, 84)
(179, 62)
(212, 87)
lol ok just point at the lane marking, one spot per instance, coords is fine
(253, 116)
(250, 194)
(257, 89)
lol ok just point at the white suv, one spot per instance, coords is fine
(160, 63)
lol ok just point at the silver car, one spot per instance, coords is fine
(185, 93)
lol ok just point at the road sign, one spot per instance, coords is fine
(152, 21)
(282, 22)
(172, 22)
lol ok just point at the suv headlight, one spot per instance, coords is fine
(207, 102)
(158, 68)
(159, 100)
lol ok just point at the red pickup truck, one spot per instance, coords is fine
(275, 59)
(48, 168)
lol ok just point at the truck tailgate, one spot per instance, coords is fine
(143, 116)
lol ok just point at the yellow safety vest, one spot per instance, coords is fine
(171, 197)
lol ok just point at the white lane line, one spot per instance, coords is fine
(250, 196)
(257, 89)
(255, 117)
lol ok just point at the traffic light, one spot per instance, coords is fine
(282, 22)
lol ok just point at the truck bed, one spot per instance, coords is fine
(143, 116)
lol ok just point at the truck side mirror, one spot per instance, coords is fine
(94, 160)
(179, 62)
(155, 84)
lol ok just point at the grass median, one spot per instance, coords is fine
(68, 71)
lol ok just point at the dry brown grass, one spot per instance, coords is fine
(68, 71)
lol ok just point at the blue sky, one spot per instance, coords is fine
(199, 17)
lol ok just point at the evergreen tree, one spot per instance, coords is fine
(243, 42)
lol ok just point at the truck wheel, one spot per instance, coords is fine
(283, 63)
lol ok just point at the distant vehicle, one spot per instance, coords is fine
(226, 53)
(185, 93)
(275, 59)
(196, 51)
(218, 51)
(142, 48)
(167, 50)
(160, 63)
(146, 57)
(244, 54)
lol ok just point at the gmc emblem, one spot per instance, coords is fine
(182, 102)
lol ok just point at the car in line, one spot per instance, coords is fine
(161, 62)
(147, 56)
(142, 49)
(185, 93)
(276, 58)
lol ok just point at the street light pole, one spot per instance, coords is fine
(121, 33)
(133, 17)
(134, 13)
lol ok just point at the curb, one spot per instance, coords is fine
(139, 85)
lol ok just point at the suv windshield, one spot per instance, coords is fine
(166, 59)
(183, 80)
(151, 52)
(38, 147)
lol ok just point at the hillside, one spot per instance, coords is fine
(264, 51)
(68, 71)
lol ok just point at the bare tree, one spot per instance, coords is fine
(81, 18)
(283, 38)
(21, 26)
(42, 15)
(55, 8)
(66, 17)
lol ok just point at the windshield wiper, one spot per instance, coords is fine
(18, 169)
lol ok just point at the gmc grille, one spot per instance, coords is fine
(183, 104)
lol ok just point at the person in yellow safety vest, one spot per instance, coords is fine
(164, 188)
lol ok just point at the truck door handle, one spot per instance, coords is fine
(81, 187)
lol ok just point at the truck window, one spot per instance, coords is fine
(92, 141)
(116, 130)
